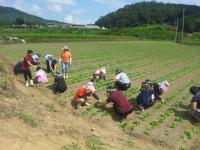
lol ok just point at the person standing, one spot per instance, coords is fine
(65, 61)
(26, 68)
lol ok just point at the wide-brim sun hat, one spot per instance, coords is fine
(164, 85)
(90, 86)
(103, 70)
(65, 47)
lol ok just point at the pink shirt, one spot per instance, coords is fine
(41, 76)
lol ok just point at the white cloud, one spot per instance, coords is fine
(76, 17)
(1, 2)
(36, 9)
(64, 2)
(55, 8)
(69, 18)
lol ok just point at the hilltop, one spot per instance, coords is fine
(153, 13)
(9, 15)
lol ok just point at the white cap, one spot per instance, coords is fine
(103, 70)
(90, 86)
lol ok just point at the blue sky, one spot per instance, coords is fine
(76, 11)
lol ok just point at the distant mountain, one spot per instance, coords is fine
(152, 13)
(9, 15)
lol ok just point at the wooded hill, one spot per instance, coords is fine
(8, 16)
(153, 13)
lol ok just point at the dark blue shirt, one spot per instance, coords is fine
(196, 98)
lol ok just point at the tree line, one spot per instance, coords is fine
(153, 13)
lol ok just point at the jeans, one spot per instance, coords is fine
(65, 67)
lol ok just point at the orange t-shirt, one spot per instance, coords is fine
(81, 93)
(65, 57)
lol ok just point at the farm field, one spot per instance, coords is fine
(164, 126)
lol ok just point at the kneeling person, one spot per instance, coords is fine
(160, 88)
(195, 102)
(40, 76)
(60, 85)
(146, 98)
(122, 81)
(121, 105)
(83, 94)
(99, 74)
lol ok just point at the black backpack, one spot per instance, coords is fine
(147, 86)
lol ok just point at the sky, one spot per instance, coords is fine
(77, 11)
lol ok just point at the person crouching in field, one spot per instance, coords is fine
(40, 76)
(146, 97)
(18, 68)
(50, 63)
(121, 105)
(36, 59)
(83, 94)
(59, 84)
(65, 61)
(99, 74)
(160, 88)
(122, 81)
(26, 67)
(195, 103)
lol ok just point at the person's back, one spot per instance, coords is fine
(17, 68)
(60, 85)
(145, 98)
(41, 76)
(121, 104)
(123, 78)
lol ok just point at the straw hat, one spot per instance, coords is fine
(65, 47)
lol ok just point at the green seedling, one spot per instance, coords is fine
(133, 125)
(123, 124)
(28, 119)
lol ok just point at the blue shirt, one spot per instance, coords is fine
(196, 98)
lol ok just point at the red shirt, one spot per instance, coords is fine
(121, 104)
(25, 65)
(81, 93)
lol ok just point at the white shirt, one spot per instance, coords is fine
(35, 58)
(123, 78)
(47, 57)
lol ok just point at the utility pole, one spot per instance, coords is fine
(183, 24)
(176, 30)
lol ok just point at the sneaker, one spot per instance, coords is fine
(141, 108)
(27, 83)
(64, 77)
(31, 81)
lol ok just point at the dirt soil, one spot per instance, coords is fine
(53, 126)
